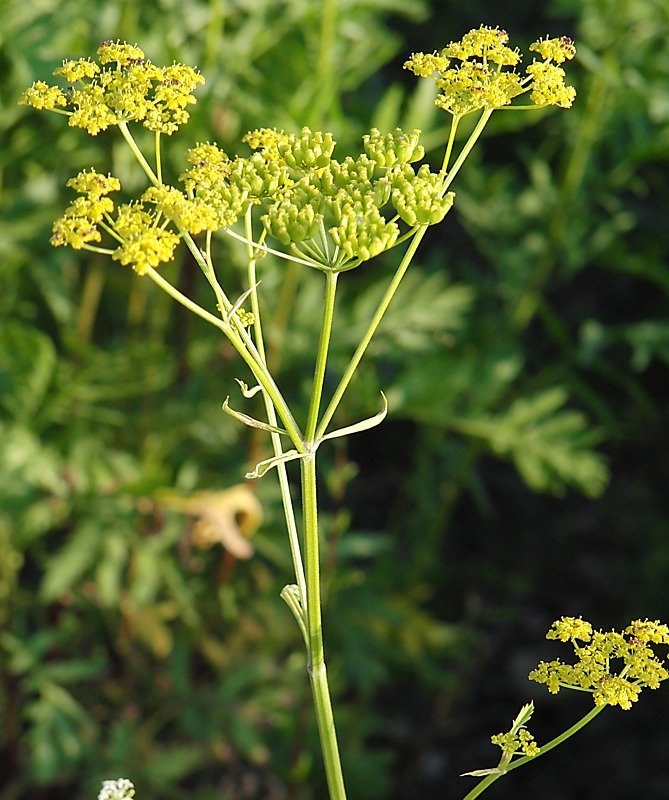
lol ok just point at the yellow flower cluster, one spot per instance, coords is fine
(43, 97)
(557, 50)
(79, 225)
(569, 628)
(122, 86)
(143, 243)
(267, 142)
(210, 166)
(192, 215)
(521, 742)
(141, 236)
(548, 88)
(488, 44)
(593, 671)
(518, 741)
(479, 81)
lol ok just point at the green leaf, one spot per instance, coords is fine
(60, 733)
(171, 764)
(425, 309)
(523, 717)
(549, 446)
(26, 370)
(483, 773)
(264, 466)
(649, 340)
(68, 566)
(363, 425)
(447, 383)
(110, 569)
(250, 421)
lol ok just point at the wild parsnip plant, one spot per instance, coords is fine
(293, 200)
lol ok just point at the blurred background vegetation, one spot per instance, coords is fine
(522, 473)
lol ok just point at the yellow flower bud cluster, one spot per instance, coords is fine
(362, 232)
(323, 201)
(306, 150)
(290, 222)
(328, 212)
(479, 80)
(613, 667)
(122, 86)
(388, 150)
(418, 197)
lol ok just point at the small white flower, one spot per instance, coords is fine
(120, 789)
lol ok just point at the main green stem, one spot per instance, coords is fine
(314, 624)
(316, 655)
(314, 432)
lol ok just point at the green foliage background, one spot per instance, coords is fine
(521, 475)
